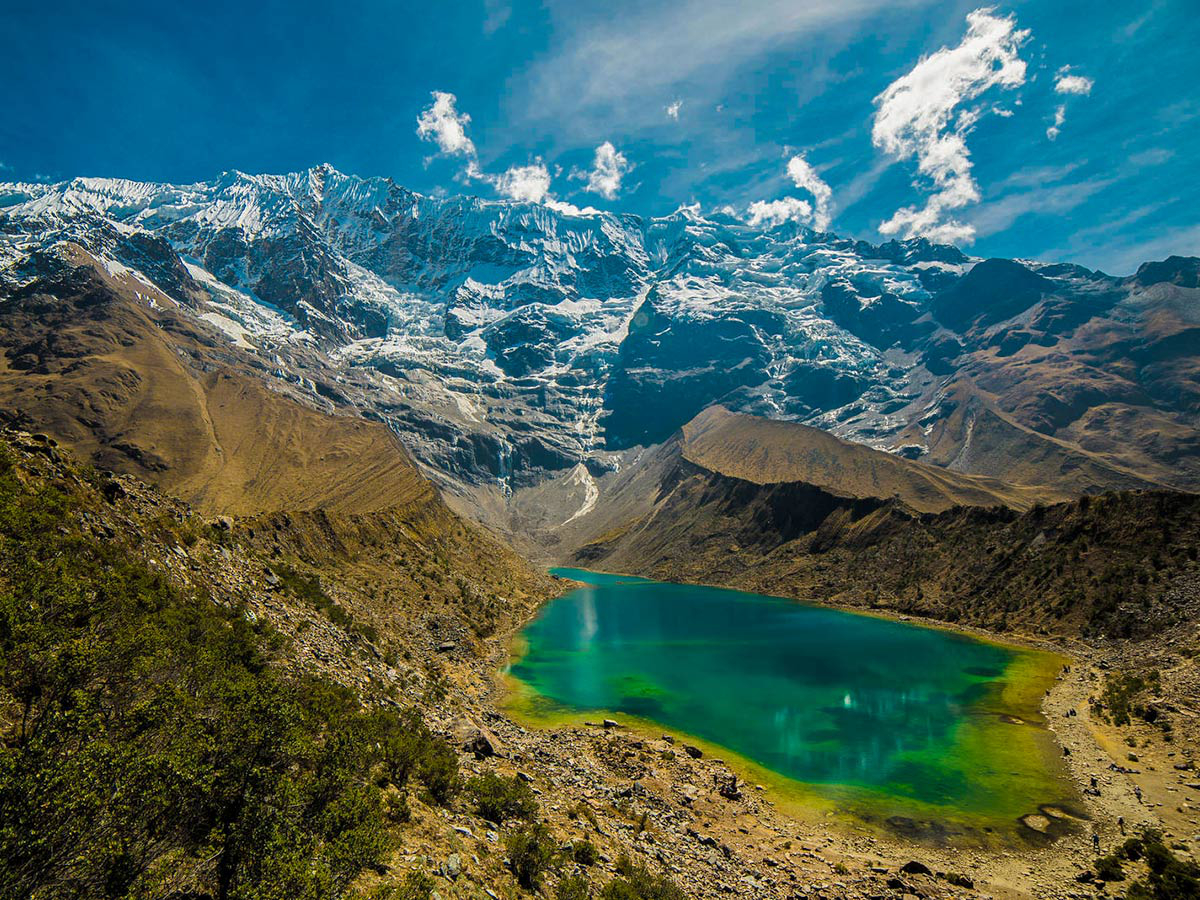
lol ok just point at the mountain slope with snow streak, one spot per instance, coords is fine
(507, 343)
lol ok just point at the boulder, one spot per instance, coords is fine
(476, 739)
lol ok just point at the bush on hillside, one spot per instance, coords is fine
(500, 799)
(1169, 878)
(637, 883)
(149, 747)
(573, 887)
(530, 854)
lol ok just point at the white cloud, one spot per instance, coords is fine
(673, 109)
(529, 183)
(1072, 84)
(443, 124)
(1066, 83)
(916, 117)
(1060, 116)
(608, 168)
(807, 179)
(770, 213)
(570, 209)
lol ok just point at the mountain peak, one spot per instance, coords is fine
(1183, 271)
(512, 340)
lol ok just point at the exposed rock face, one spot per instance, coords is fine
(505, 343)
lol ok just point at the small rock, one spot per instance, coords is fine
(693, 752)
(912, 867)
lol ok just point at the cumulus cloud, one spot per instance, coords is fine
(529, 183)
(1060, 116)
(770, 213)
(807, 179)
(570, 209)
(608, 169)
(921, 116)
(443, 124)
(1065, 83)
(673, 109)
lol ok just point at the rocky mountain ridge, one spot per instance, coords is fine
(511, 345)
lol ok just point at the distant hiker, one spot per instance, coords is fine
(1095, 842)
(1138, 793)
(1121, 823)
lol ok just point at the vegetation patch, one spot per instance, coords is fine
(149, 746)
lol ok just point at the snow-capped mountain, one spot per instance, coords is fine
(507, 342)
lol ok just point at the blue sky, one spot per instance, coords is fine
(920, 117)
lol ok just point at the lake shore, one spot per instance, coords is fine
(1000, 730)
(758, 846)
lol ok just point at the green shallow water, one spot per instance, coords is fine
(878, 716)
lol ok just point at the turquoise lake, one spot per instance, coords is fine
(891, 716)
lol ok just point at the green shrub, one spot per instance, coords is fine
(1109, 868)
(637, 883)
(308, 588)
(573, 887)
(585, 853)
(439, 772)
(500, 799)
(415, 886)
(1169, 878)
(397, 809)
(149, 747)
(1133, 849)
(530, 853)
(1120, 694)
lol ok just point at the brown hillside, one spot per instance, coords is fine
(107, 365)
(977, 436)
(1119, 564)
(766, 451)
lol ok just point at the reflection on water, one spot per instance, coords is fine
(818, 695)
